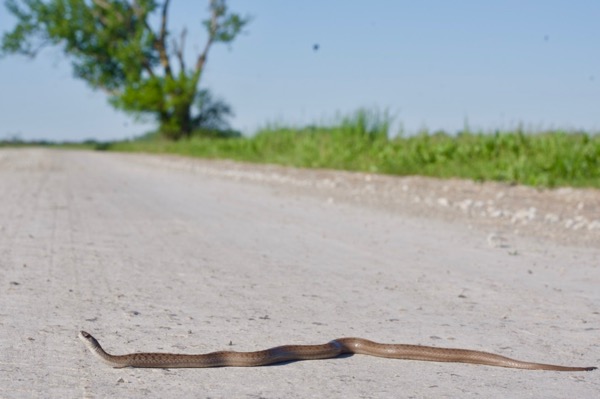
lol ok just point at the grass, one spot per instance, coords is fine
(360, 143)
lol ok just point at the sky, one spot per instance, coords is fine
(432, 64)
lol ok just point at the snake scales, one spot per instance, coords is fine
(311, 352)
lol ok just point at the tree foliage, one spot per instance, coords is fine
(113, 47)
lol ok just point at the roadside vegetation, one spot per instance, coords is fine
(360, 142)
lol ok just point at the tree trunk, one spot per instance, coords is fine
(184, 119)
(177, 123)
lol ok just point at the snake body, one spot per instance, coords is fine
(329, 350)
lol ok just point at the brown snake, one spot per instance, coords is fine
(332, 349)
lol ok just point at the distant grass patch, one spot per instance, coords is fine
(75, 145)
(360, 143)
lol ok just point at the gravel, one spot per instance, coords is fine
(563, 215)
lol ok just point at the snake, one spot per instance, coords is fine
(332, 349)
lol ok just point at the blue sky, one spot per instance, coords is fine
(432, 64)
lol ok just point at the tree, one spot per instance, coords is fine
(113, 47)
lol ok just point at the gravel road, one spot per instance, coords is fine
(158, 253)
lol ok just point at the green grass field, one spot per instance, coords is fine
(360, 143)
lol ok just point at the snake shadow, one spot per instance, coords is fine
(286, 362)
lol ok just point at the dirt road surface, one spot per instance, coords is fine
(156, 253)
